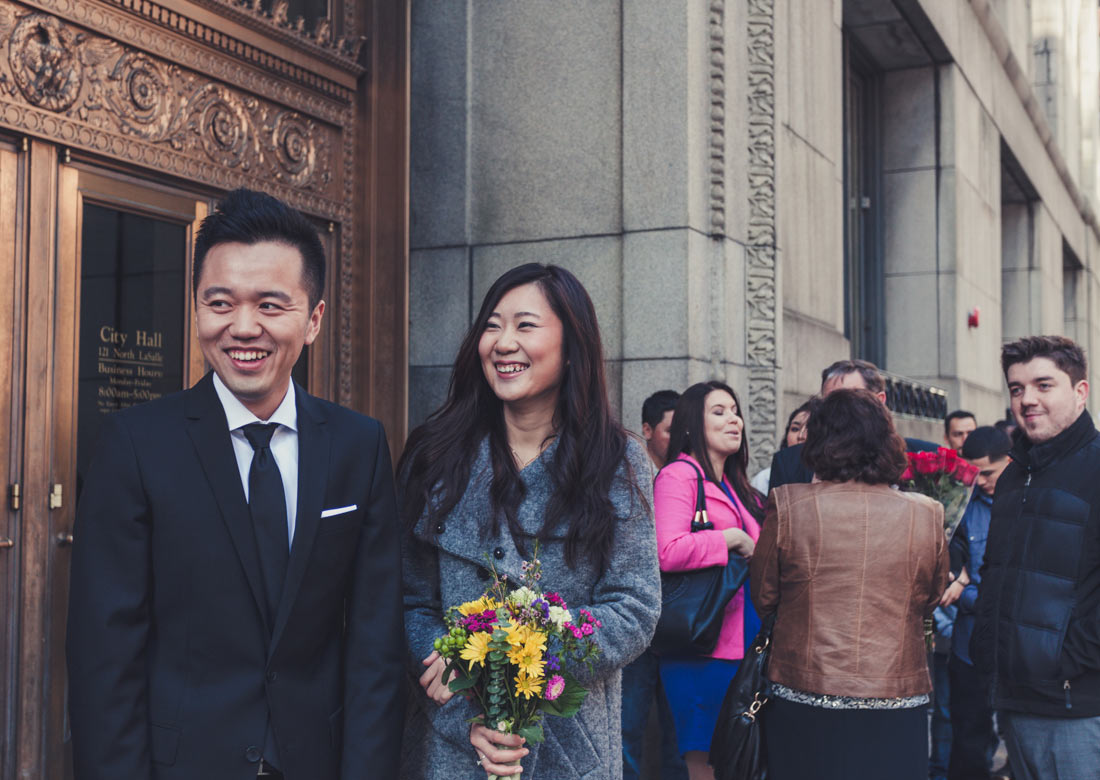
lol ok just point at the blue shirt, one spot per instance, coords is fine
(969, 543)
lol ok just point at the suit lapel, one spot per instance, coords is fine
(314, 443)
(209, 432)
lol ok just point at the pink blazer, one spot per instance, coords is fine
(678, 549)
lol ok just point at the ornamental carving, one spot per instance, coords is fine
(44, 62)
(762, 313)
(716, 30)
(102, 87)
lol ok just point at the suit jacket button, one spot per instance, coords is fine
(252, 753)
(498, 553)
(440, 527)
(272, 676)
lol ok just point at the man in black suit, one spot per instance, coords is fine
(787, 465)
(236, 596)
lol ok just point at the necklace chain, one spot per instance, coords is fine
(525, 463)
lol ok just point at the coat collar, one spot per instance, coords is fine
(472, 512)
(1036, 457)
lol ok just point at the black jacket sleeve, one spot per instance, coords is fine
(109, 616)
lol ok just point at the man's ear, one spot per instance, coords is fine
(1081, 390)
(881, 395)
(647, 431)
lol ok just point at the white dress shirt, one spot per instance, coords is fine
(284, 443)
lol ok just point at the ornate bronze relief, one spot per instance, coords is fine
(121, 101)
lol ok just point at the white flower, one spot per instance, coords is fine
(559, 617)
(522, 596)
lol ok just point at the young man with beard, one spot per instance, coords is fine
(1037, 632)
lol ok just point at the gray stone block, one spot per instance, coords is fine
(545, 124)
(909, 221)
(427, 391)
(439, 304)
(438, 123)
(660, 93)
(909, 118)
(912, 347)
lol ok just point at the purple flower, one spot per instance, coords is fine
(552, 663)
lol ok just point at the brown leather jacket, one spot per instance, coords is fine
(853, 570)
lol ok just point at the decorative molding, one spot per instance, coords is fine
(90, 92)
(347, 274)
(761, 293)
(716, 30)
(320, 41)
(205, 51)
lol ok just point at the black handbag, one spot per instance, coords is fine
(736, 749)
(693, 603)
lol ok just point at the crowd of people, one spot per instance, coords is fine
(253, 593)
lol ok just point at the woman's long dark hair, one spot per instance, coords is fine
(591, 447)
(687, 435)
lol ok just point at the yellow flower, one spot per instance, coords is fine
(477, 607)
(528, 686)
(477, 647)
(517, 634)
(529, 657)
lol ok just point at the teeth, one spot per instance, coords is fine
(249, 355)
(513, 368)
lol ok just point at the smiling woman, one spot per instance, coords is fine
(526, 450)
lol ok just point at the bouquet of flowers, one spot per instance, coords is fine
(512, 650)
(944, 476)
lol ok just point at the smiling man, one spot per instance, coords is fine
(236, 608)
(1037, 629)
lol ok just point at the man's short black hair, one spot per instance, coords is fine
(249, 217)
(958, 414)
(654, 407)
(986, 442)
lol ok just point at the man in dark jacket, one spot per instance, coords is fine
(1037, 630)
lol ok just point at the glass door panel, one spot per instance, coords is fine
(133, 320)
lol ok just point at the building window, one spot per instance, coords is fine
(863, 281)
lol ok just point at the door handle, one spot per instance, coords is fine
(64, 539)
(6, 543)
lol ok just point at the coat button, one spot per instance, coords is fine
(252, 753)
(272, 676)
(483, 574)
(440, 527)
(498, 553)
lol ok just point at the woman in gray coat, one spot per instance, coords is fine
(525, 448)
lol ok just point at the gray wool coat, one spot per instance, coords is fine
(445, 565)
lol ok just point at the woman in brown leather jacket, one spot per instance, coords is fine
(851, 566)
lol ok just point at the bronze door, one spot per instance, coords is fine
(12, 337)
(107, 324)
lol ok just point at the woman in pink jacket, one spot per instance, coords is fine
(707, 435)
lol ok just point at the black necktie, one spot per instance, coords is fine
(267, 505)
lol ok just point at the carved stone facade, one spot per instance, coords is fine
(760, 250)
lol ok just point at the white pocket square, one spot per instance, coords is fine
(341, 510)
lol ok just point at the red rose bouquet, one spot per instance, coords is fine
(944, 476)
